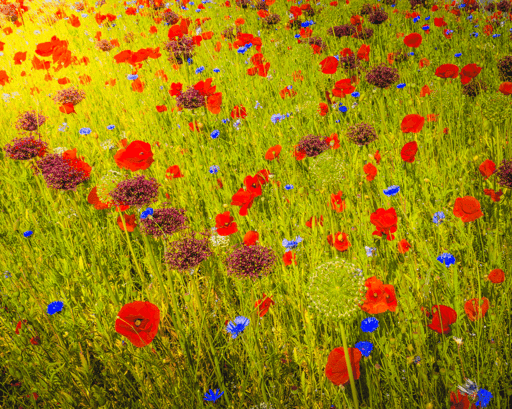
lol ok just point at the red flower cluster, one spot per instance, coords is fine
(379, 297)
(385, 222)
(252, 184)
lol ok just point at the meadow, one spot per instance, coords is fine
(255, 204)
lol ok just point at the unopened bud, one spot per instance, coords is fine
(225, 206)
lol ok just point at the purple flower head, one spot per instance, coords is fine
(59, 173)
(362, 134)
(164, 221)
(313, 145)
(26, 148)
(30, 121)
(137, 191)
(250, 261)
(188, 253)
(190, 99)
(504, 173)
(382, 76)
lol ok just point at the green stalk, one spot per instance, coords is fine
(349, 366)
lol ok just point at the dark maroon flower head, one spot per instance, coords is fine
(230, 33)
(418, 3)
(317, 41)
(382, 76)
(490, 7)
(366, 9)
(70, 95)
(170, 17)
(164, 221)
(505, 67)
(180, 50)
(504, 173)
(30, 121)
(365, 34)
(378, 16)
(400, 56)
(260, 5)
(191, 99)
(26, 148)
(59, 174)
(313, 145)
(344, 30)
(272, 19)
(474, 88)
(136, 192)
(504, 6)
(250, 261)
(188, 253)
(362, 134)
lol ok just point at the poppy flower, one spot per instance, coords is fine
(245, 199)
(442, 318)
(496, 276)
(329, 65)
(379, 297)
(424, 62)
(138, 321)
(371, 171)
(425, 90)
(364, 52)
(18, 326)
(412, 123)
(413, 40)
(339, 241)
(487, 168)
(506, 88)
(476, 309)
(467, 208)
(264, 304)
(460, 401)
(251, 237)
(136, 156)
(403, 246)
(225, 224)
(333, 141)
(470, 71)
(94, 199)
(385, 222)
(447, 71)
(439, 22)
(336, 369)
(409, 151)
(289, 257)
(161, 108)
(239, 112)
(337, 203)
(173, 172)
(323, 108)
(495, 196)
(313, 220)
(377, 157)
(129, 221)
(343, 87)
(299, 154)
(68, 108)
(273, 152)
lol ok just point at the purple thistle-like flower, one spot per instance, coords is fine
(365, 34)
(170, 17)
(344, 30)
(504, 173)
(382, 76)
(137, 191)
(362, 134)
(378, 16)
(26, 148)
(250, 261)
(188, 253)
(59, 174)
(180, 50)
(30, 121)
(70, 95)
(272, 19)
(164, 221)
(191, 99)
(313, 145)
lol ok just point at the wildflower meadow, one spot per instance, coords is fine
(255, 204)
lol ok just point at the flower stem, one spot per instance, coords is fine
(349, 366)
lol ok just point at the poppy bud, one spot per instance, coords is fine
(225, 206)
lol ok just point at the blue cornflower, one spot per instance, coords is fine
(355, 94)
(427, 18)
(369, 324)
(276, 118)
(215, 134)
(370, 251)
(55, 307)
(484, 396)
(343, 109)
(297, 35)
(425, 27)
(438, 217)
(293, 244)
(190, 61)
(212, 396)
(84, 15)
(401, 86)
(132, 77)
(462, 6)
(199, 70)
(214, 169)
(225, 121)
(238, 327)
(392, 190)
(470, 18)
(216, 70)
(474, 34)
(447, 259)
(110, 127)
(289, 87)
(496, 35)
(365, 347)
(146, 213)
(288, 187)
(241, 50)
(84, 131)
(258, 105)
(28, 233)
(411, 53)
(249, 45)
(417, 360)
(458, 55)
(416, 19)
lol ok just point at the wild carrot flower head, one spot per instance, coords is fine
(335, 289)
(137, 191)
(313, 145)
(504, 173)
(250, 261)
(188, 253)
(164, 221)
(362, 134)
(30, 121)
(69, 96)
(26, 148)
(190, 99)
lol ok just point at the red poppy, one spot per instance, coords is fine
(439, 22)
(68, 108)
(339, 241)
(251, 237)
(313, 220)
(506, 88)
(138, 321)
(129, 221)
(225, 224)
(377, 157)
(161, 108)
(264, 304)
(460, 401)
(173, 172)
(495, 196)
(467, 208)
(245, 199)
(409, 151)
(337, 203)
(289, 257)
(364, 52)
(94, 199)
(412, 123)
(424, 62)
(299, 154)
(447, 71)
(425, 90)
(77, 162)
(176, 89)
(333, 141)
(442, 318)
(413, 40)
(286, 91)
(371, 171)
(137, 155)
(403, 246)
(343, 87)
(35, 340)
(18, 326)
(379, 297)
(476, 309)
(323, 108)
(239, 112)
(336, 369)
(329, 65)
(487, 168)
(496, 276)
(385, 222)
(273, 152)
(468, 72)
